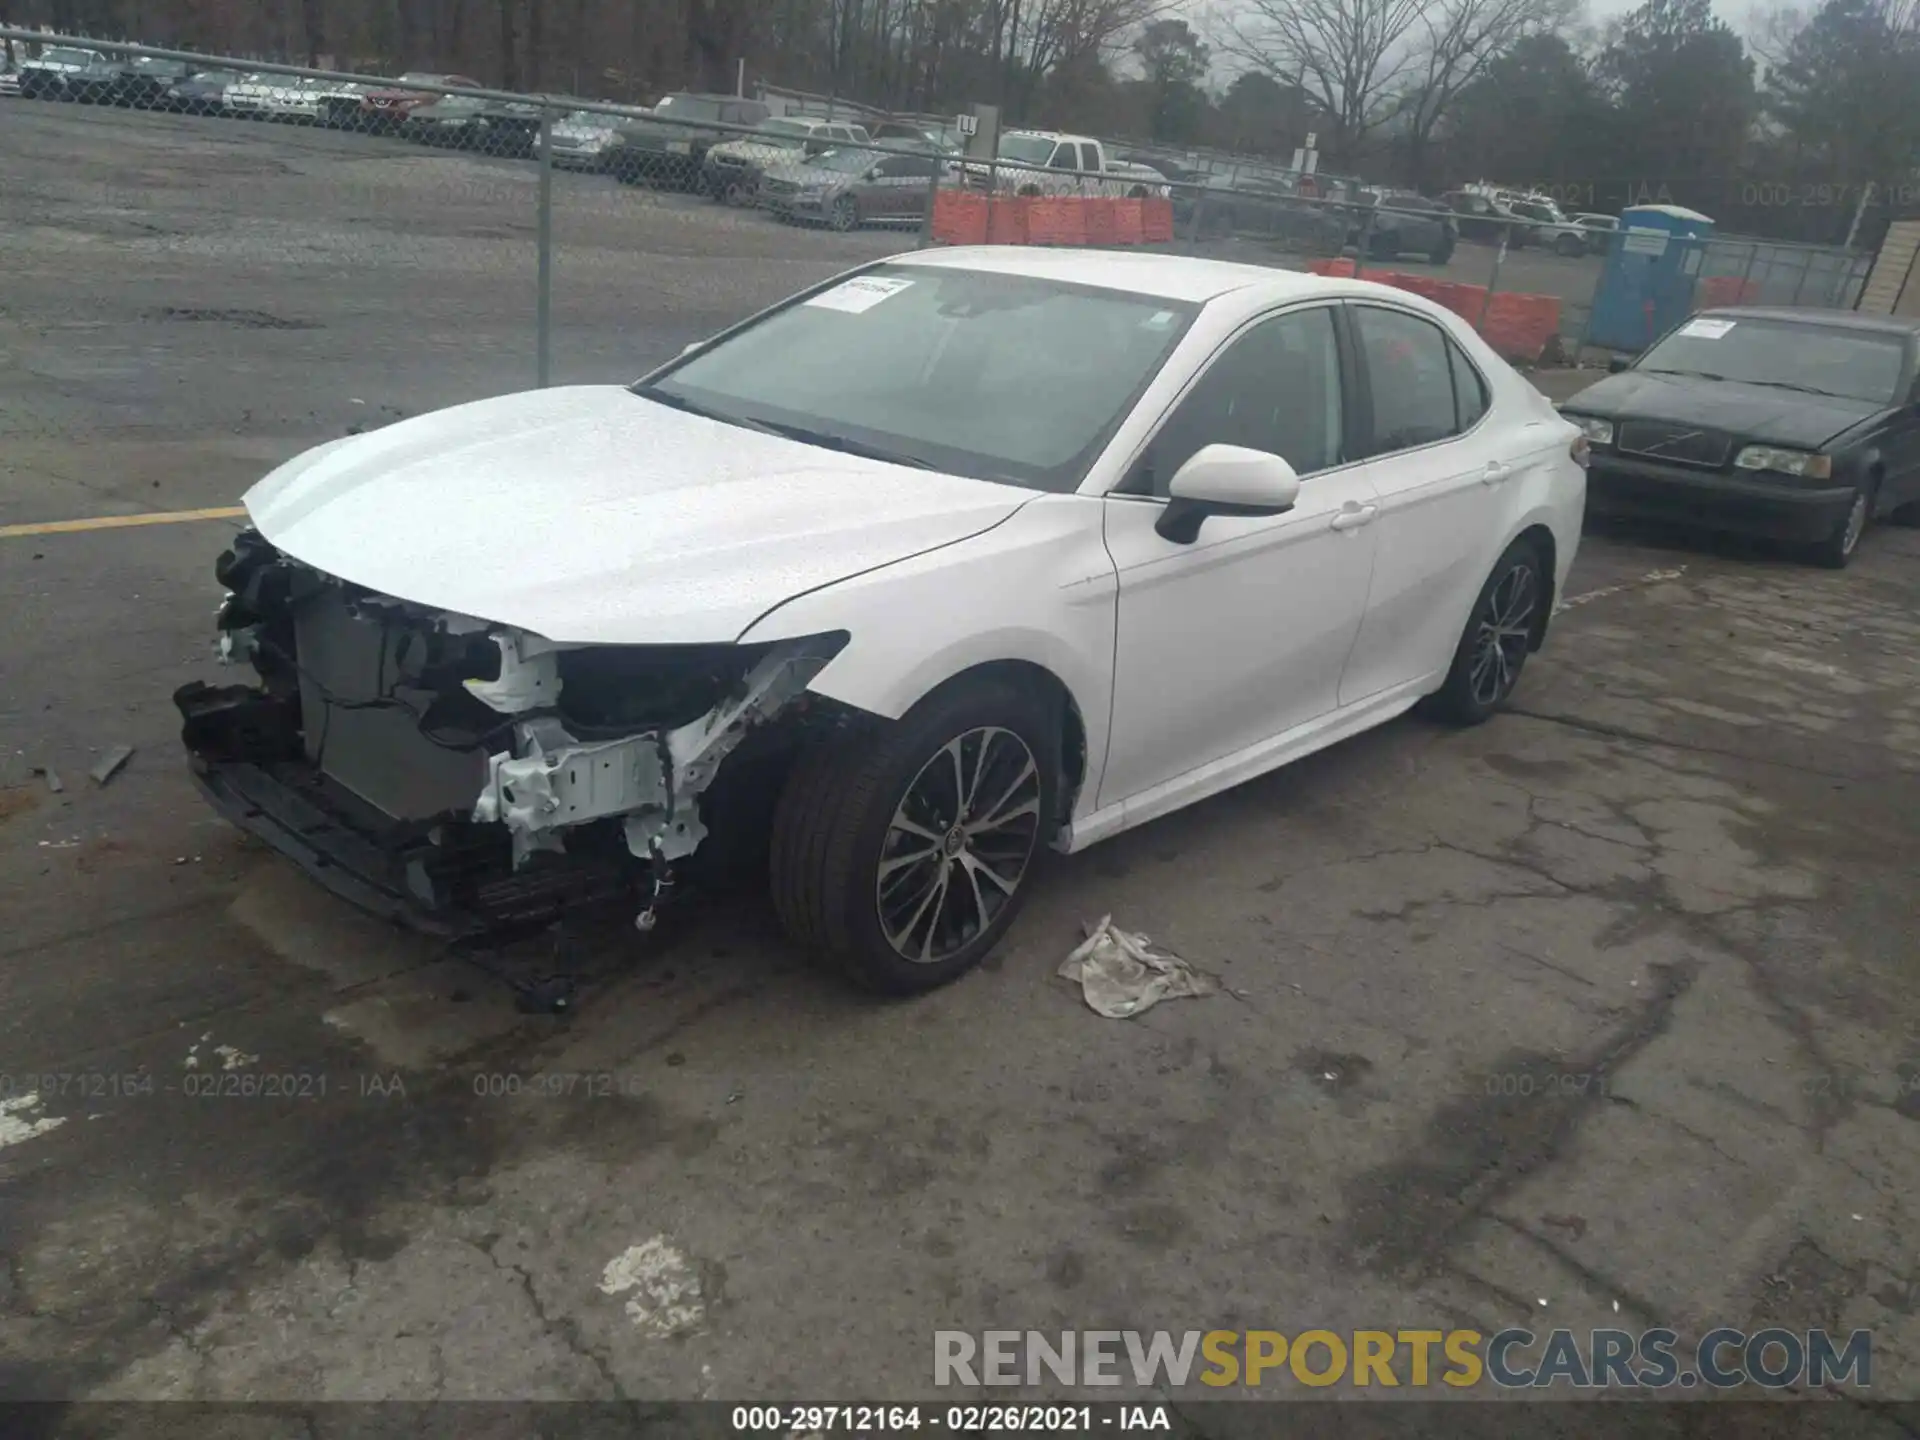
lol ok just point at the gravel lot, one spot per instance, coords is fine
(1683, 863)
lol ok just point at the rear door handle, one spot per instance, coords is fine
(1352, 517)
(1495, 473)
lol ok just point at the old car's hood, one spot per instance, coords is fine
(1749, 412)
(588, 514)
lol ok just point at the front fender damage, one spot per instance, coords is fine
(551, 780)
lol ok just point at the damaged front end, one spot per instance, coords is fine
(463, 776)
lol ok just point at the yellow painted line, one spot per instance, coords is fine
(122, 522)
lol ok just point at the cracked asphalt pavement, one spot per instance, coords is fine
(1604, 1012)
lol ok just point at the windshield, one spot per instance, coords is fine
(589, 120)
(845, 162)
(1034, 149)
(1000, 377)
(1827, 360)
(58, 56)
(218, 77)
(687, 107)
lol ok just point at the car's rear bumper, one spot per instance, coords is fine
(1618, 485)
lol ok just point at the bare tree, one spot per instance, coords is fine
(1347, 56)
(1456, 41)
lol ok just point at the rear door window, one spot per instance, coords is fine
(1410, 378)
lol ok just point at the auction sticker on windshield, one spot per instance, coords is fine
(1706, 329)
(859, 294)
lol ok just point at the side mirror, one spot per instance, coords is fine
(1618, 363)
(1225, 480)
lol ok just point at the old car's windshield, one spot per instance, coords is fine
(58, 56)
(775, 132)
(1826, 360)
(846, 162)
(1001, 377)
(1032, 149)
(688, 107)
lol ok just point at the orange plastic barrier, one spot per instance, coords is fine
(1156, 220)
(1464, 300)
(1007, 219)
(1340, 266)
(1519, 326)
(1057, 220)
(959, 218)
(1423, 285)
(1128, 222)
(1099, 218)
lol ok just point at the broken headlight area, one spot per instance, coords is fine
(464, 775)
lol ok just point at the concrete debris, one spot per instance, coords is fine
(110, 764)
(51, 776)
(1120, 973)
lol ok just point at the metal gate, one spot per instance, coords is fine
(1893, 288)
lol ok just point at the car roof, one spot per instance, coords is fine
(1828, 319)
(1168, 277)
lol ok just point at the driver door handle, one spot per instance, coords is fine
(1351, 516)
(1495, 472)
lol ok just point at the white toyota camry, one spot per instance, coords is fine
(887, 589)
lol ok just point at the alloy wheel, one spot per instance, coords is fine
(959, 844)
(1856, 524)
(1503, 634)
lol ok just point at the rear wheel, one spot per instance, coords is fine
(904, 858)
(843, 215)
(1442, 252)
(1499, 636)
(1383, 245)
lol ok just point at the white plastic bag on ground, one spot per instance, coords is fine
(1120, 973)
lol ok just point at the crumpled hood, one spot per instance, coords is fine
(1763, 413)
(587, 514)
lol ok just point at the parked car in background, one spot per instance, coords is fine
(1046, 162)
(1547, 226)
(9, 77)
(384, 110)
(143, 82)
(933, 567)
(1600, 229)
(65, 72)
(669, 146)
(1264, 209)
(732, 168)
(203, 92)
(1800, 425)
(1480, 217)
(456, 121)
(584, 140)
(1402, 222)
(844, 189)
(275, 97)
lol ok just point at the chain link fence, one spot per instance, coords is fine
(194, 243)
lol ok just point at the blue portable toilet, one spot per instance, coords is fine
(1647, 286)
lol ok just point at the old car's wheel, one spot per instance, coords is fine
(843, 215)
(1382, 246)
(1836, 552)
(737, 194)
(1500, 633)
(1441, 253)
(1571, 246)
(904, 858)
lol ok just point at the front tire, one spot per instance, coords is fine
(1836, 552)
(903, 858)
(1571, 246)
(1501, 629)
(843, 216)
